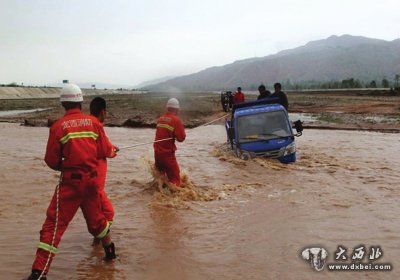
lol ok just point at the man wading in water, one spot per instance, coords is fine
(169, 125)
(75, 143)
(98, 109)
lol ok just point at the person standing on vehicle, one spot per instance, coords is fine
(264, 93)
(239, 96)
(98, 110)
(169, 126)
(75, 143)
(278, 93)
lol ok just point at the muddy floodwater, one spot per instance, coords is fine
(244, 219)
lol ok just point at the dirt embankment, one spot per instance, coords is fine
(124, 108)
(49, 92)
(24, 92)
(358, 109)
(377, 110)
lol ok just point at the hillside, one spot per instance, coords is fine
(334, 58)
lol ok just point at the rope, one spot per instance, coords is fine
(212, 121)
(55, 226)
(58, 191)
(165, 139)
(140, 144)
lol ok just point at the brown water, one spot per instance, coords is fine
(342, 191)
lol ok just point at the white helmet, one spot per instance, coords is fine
(173, 103)
(71, 93)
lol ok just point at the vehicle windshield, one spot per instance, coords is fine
(263, 126)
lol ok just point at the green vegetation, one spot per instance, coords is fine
(339, 84)
(349, 83)
(10, 85)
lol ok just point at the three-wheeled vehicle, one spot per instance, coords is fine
(262, 128)
(226, 100)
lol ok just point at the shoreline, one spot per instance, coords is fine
(136, 125)
(324, 110)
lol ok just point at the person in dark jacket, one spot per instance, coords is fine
(278, 93)
(264, 93)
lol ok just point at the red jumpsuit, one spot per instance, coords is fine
(168, 126)
(106, 205)
(239, 97)
(75, 143)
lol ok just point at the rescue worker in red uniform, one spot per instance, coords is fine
(169, 126)
(98, 110)
(75, 143)
(239, 96)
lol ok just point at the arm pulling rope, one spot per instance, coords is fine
(165, 139)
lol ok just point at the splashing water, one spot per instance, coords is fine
(169, 195)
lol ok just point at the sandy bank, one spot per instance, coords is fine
(50, 92)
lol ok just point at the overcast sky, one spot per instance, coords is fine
(131, 41)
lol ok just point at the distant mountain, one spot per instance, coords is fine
(155, 81)
(98, 85)
(115, 86)
(334, 58)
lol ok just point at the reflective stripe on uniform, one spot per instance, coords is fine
(82, 134)
(104, 232)
(165, 126)
(47, 247)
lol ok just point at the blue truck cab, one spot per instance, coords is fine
(262, 128)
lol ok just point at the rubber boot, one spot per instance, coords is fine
(35, 275)
(110, 252)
